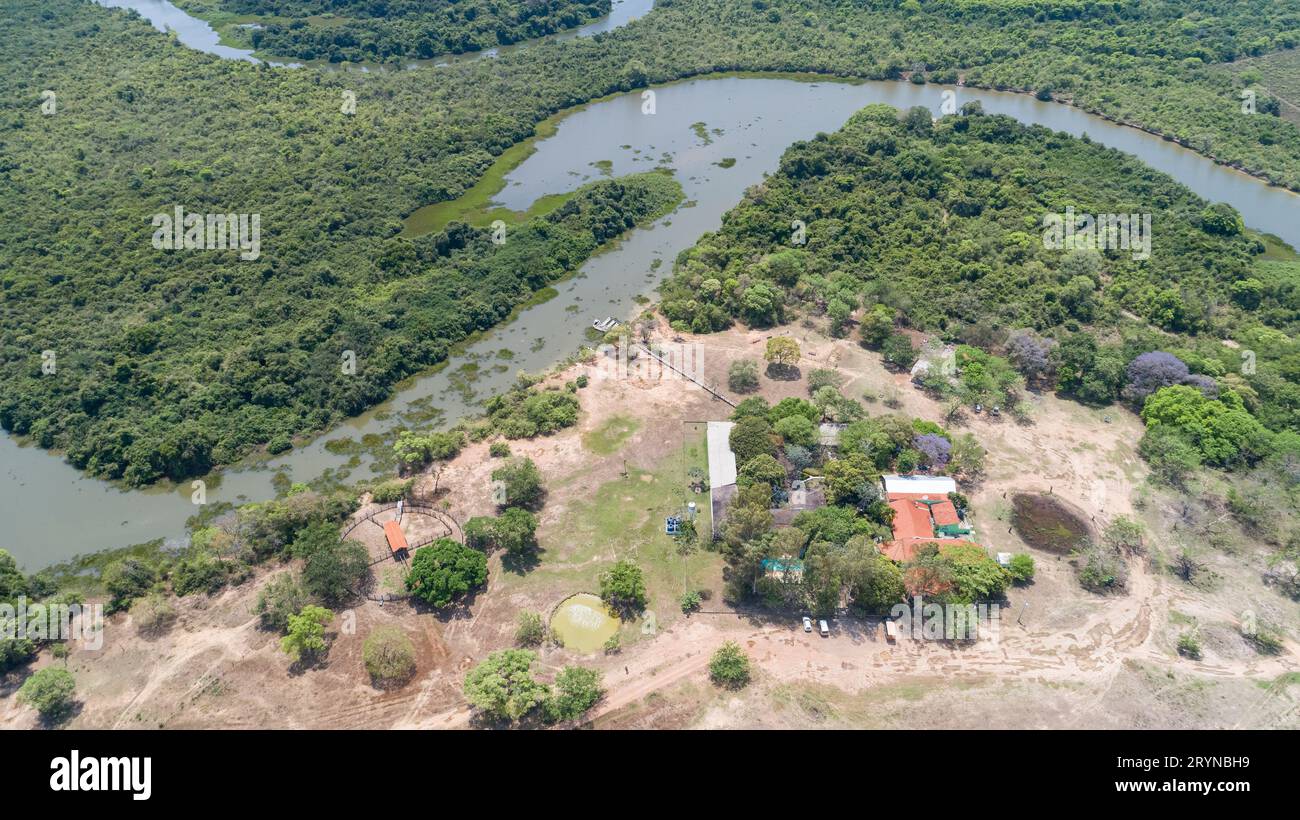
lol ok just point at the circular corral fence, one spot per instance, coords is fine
(384, 534)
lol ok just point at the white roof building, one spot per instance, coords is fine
(722, 462)
(936, 485)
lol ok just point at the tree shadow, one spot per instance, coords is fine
(783, 372)
(522, 563)
(57, 720)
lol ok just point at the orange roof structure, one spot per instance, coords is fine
(396, 540)
(913, 525)
(901, 551)
(945, 514)
(911, 519)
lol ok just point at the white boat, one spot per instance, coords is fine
(605, 325)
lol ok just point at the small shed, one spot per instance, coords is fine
(396, 539)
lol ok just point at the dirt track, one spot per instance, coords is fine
(1079, 660)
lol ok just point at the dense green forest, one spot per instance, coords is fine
(257, 365)
(374, 31)
(939, 226)
(170, 362)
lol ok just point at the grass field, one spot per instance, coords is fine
(1279, 74)
(624, 519)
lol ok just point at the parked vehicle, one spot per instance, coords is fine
(807, 624)
(826, 630)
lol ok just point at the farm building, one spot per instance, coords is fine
(923, 514)
(722, 470)
(396, 539)
(936, 486)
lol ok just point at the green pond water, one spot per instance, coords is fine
(584, 623)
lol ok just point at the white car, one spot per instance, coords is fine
(826, 630)
(807, 624)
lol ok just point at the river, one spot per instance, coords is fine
(54, 512)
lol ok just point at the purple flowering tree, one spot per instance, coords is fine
(1030, 354)
(936, 449)
(1152, 371)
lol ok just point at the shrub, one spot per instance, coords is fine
(576, 690)
(480, 532)
(127, 580)
(1102, 570)
(823, 377)
(799, 457)
(391, 491)
(389, 656)
(750, 437)
(281, 597)
(690, 601)
(899, 351)
(306, 637)
(729, 666)
(414, 450)
(499, 449)
(1264, 638)
(50, 692)
(755, 406)
(444, 571)
(199, 572)
(1021, 568)
(529, 629)
(335, 572)
(622, 587)
(521, 482)
(797, 430)
(1124, 535)
(1189, 646)
(502, 685)
(1170, 454)
(742, 376)
(152, 614)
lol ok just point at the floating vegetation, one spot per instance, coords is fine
(342, 446)
(702, 131)
(726, 162)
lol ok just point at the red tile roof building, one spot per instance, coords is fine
(917, 516)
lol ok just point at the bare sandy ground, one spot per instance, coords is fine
(1062, 658)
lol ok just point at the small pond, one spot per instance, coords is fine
(584, 623)
(1046, 523)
